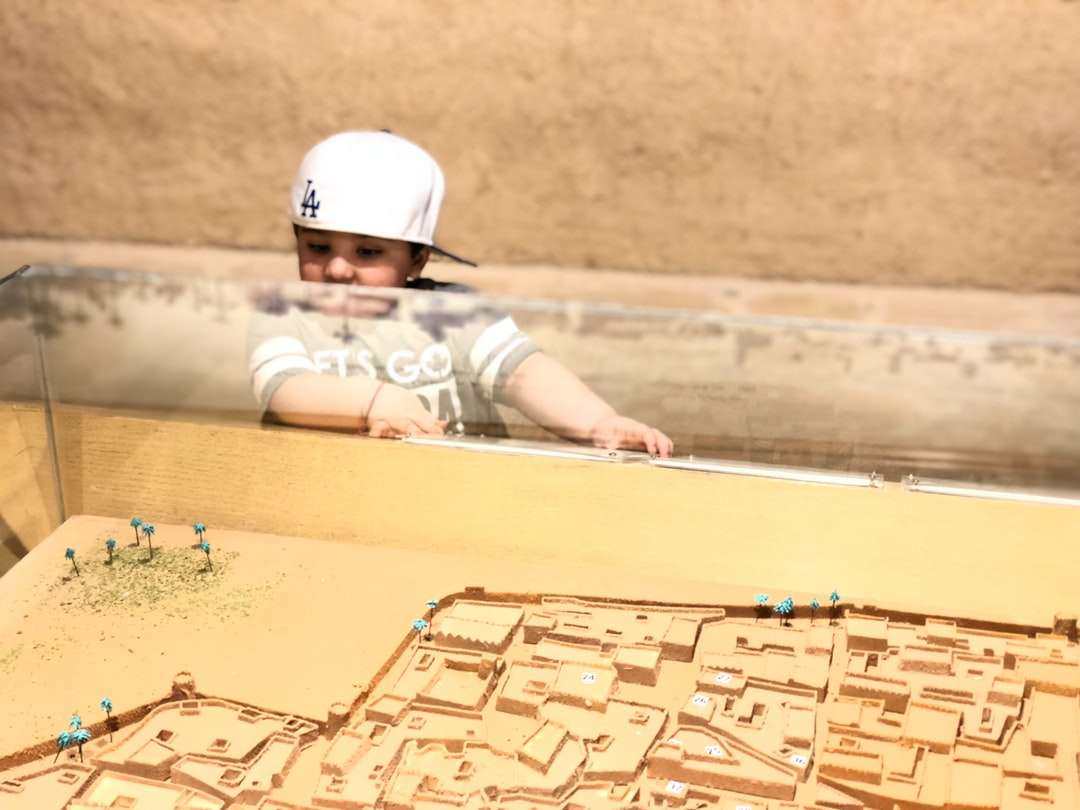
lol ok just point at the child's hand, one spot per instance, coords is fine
(397, 412)
(618, 432)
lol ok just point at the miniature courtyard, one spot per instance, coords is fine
(569, 703)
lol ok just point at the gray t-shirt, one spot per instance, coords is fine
(452, 352)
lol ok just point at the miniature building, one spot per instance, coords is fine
(598, 706)
(926, 715)
(479, 626)
(609, 625)
(38, 785)
(867, 632)
(895, 692)
(778, 655)
(931, 725)
(540, 749)
(697, 757)
(526, 688)
(638, 663)
(213, 729)
(582, 685)
(560, 651)
(120, 790)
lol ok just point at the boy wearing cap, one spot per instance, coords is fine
(364, 207)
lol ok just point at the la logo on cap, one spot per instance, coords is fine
(310, 206)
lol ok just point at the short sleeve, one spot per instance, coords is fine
(495, 352)
(276, 353)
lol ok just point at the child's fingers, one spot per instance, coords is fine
(650, 443)
(392, 428)
(432, 429)
(656, 442)
(379, 429)
(629, 434)
(664, 445)
(428, 424)
(405, 426)
(667, 446)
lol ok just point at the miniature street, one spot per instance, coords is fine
(568, 703)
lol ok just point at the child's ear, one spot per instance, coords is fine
(420, 257)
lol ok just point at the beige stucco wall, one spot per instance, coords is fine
(914, 143)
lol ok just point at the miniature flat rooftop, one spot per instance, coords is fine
(576, 703)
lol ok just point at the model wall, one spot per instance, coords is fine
(919, 142)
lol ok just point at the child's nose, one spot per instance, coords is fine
(340, 268)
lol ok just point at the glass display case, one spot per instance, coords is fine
(853, 583)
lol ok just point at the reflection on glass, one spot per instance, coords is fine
(963, 406)
(409, 363)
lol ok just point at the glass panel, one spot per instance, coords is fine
(30, 506)
(977, 408)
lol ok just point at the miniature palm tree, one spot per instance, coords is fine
(814, 605)
(784, 608)
(762, 602)
(431, 605)
(70, 555)
(199, 529)
(75, 722)
(110, 546)
(106, 706)
(204, 547)
(136, 522)
(80, 738)
(148, 531)
(63, 740)
(834, 597)
(420, 625)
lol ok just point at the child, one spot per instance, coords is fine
(364, 207)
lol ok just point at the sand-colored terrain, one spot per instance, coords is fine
(520, 700)
(908, 143)
(126, 630)
(296, 625)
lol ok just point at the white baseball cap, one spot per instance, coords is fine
(371, 183)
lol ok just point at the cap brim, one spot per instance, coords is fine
(453, 256)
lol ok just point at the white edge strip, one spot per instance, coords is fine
(974, 491)
(766, 471)
(510, 450)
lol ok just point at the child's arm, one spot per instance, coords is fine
(553, 396)
(356, 404)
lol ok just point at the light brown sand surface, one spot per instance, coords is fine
(293, 625)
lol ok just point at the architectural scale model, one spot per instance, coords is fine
(559, 702)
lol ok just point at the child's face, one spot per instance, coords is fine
(336, 257)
